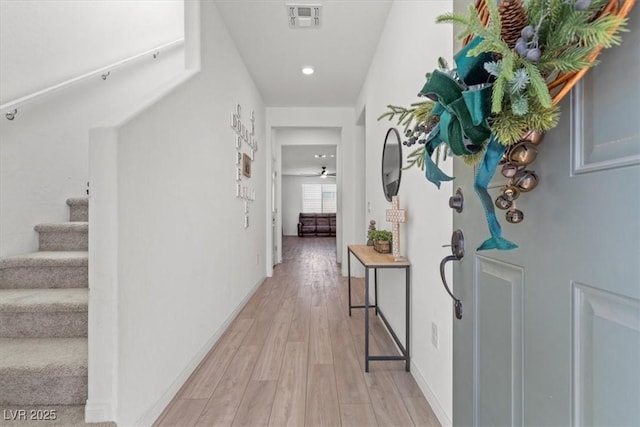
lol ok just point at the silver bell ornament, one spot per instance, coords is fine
(502, 203)
(510, 193)
(523, 153)
(534, 137)
(525, 180)
(515, 216)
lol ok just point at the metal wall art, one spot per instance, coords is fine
(244, 134)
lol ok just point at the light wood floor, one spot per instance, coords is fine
(294, 357)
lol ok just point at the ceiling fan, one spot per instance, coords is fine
(324, 173)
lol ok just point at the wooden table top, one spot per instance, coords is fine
(370, 258)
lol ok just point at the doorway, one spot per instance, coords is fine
(309, 183)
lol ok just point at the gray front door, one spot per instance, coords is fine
(550, 334)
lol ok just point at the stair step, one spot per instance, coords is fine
(64, 236)
(43, 371)
(40, 313)
(78, 208)
(65, 415)
(55, 269)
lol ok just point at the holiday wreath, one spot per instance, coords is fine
(519, 59)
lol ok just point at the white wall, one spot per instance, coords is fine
(44, 150)
(308, 136)
(408, 48)
(292, 199)
(183, 263)
(348, 181)
(46, 42)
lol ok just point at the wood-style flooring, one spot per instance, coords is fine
(294, 357)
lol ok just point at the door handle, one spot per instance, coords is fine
(457, 250)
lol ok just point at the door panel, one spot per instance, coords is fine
(498, 339)
(606, 355)
(557, 320)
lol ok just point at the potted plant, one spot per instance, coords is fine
(381, 240)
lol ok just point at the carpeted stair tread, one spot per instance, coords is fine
(40, 300)
(78, 209)
(66, 415)
(47, 259)
(43, 371)
(71, 226)
(43, 313)
(43, 356)
(78, 201)
(63, 236)
(45, 269)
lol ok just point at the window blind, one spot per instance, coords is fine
(319, 198)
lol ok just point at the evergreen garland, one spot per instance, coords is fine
(559, 38)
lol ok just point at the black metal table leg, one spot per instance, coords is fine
(375, 279)
(408, 319)
(366, 319)
(349, 277)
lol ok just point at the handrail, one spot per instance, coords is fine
(102, 72)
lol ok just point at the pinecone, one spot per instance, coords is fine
(514, 18)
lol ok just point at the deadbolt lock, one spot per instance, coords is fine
(456, 201)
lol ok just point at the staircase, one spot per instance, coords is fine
(43, 326)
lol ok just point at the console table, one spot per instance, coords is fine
(371, 259)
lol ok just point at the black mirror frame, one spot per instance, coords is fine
(384, 150)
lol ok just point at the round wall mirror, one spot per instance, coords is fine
(391, 164)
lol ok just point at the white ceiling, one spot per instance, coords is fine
(340, 50)
(300, 160)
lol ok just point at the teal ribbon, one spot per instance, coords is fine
(432, 172)
(463, 110)
(484, 175)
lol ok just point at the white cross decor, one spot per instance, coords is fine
(395, 215)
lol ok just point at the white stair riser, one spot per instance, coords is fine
(61, 324)
(42, 389)
(44, 277)
(64, 241)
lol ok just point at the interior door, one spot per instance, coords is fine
(550, 333)
(274, 213)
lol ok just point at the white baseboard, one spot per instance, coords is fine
(436, 405)
(152, 414)
(95, 411)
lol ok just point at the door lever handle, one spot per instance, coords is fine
(457, 303)
(457, 250)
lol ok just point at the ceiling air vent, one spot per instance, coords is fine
(303, 15)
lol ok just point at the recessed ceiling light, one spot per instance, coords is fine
(307, 71)
(332, 155)
(319, 156)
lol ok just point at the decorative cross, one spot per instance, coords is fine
(395, 215)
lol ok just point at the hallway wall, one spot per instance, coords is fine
(408, 48)
(183, 263)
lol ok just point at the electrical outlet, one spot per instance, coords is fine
(434, 334)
